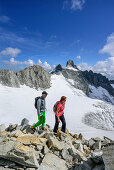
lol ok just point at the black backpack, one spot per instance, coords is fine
(36, 99)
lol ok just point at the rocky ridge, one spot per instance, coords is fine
(33, 76)
(21, 148)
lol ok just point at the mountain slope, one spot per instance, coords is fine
(17, 103)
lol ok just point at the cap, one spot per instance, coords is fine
(44, 92)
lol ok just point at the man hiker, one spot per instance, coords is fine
(40, 105)
(59, 114)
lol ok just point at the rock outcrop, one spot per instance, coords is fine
(108, 157)
(9, 78)
(22, 148)
(33, 76)
(97, 80)
(111, 81)
(71, 72)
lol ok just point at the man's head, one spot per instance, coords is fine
(44, 94)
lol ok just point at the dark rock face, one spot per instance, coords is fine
(70, 63)
(97, 80)
(8, 78)
(111, 81)
(58, 68)
(74, 74)
(34, 76)
(79, 80)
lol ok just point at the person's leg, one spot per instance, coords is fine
(39, 122)
(62, 118)
(43, 120)
(56, 124)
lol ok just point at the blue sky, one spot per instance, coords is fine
(55, 31)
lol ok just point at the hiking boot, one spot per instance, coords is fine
(43, 128)
(33, 128)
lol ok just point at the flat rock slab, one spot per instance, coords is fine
(52, 162)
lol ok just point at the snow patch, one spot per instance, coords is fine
(101, 93)
(17, 103)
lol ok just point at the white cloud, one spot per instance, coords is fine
(4, 19)
(10, 52)
(73, 4)
(109, 46)
(45, 65)
(105, 67)
(79, 57)
(15, 62)
(77, 4)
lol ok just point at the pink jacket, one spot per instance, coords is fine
(61, 106)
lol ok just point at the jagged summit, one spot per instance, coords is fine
(70, 63)
(34, 76)
(58, 68)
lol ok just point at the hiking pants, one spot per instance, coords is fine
(41, 120)
(62, 118)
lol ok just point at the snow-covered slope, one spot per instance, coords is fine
(81, 112)
(101, 93)
(112, 85)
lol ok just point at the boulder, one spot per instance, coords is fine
(2, 127)
(108, 157)
(66, 155)
(24, 122)
(91, 142)
(18, 153)
(97, 145)
(53, 142)
(11, 127)
(52, 162)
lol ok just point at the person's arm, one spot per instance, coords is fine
(57, 112)
(38, 107)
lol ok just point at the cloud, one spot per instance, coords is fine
(10, 52)
(78, 57)
(46, 66)
(105, 67)
(77, 4)
(4, 19)
(12, 62)
(26, 41)
(109, 46)
(73, 4)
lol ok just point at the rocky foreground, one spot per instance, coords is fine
(21, 148)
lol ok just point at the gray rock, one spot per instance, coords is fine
(83, 166)
(91, 142)
(99, 167)
(9, 78)
(108, 157)
(97, 145)
(24, 122)
(97, 80)
(9, 151)
(70, 63)
(34, 77)
(66, 155)
(98, 160)
(11, 127)
(52, 162)
(2, 127)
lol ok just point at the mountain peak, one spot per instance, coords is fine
(70, 63)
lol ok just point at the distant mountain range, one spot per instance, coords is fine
(36, 77)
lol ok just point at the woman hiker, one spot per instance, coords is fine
(40, 105)
(59, 114)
